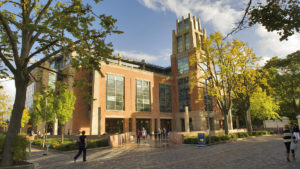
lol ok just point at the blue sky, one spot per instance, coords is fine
(148, 25)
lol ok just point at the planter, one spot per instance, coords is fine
(22, 165)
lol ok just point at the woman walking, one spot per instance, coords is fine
(81, 147)
(287, 138)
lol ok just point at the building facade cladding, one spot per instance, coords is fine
(130, 114)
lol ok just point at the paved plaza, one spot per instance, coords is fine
(264, 152)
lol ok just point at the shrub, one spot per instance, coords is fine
(70, 144)
(18, 148)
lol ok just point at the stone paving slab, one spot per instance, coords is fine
(264, 152)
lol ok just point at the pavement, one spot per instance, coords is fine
(263, 152)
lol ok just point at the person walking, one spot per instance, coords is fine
(159, 133)
(287, 138)
(138, 136)
(144, 134)
(81, 146)
(296, 131)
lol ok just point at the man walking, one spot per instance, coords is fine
(81, 147)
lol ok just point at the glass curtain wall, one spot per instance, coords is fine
(142, 96)
(165, 101)
(114, 92)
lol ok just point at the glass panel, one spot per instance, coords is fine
(187, 41)
(180, 27)
(183, 64)
(142, 95)
(179, 44)
(183, 92)
(114, 92)
(165, 98)
(187, 24)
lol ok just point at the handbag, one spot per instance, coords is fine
(294, 144)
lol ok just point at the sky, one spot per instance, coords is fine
(148, 25)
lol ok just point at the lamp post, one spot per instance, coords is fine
(206, 105)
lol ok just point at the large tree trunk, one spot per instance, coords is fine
(15, 120)
(226, 122)
(248, 121)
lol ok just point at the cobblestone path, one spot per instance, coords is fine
(264, 152)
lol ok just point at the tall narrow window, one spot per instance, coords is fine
(183, 92)
(183, 64)
(165, 101)
(114, 92)
(179, 44)
(187, 24)
(187, 41)
(180, 27)
(142, 96)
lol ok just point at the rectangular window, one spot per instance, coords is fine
(183, 92)
(142, 96)
(187, 41)
(165, 101)
(180, 27)
(187, 24)
(114, 125)
(179, 44)
(114, 92)
(208, 103)
(183, 64)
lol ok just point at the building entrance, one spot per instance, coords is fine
(114, 125)
(166, 123)
(146, 123)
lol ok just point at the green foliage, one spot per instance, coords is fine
(277, 15)
(25, 117)
(18, 147)
(64, 103)
(223, 137)
(70, 144)
(284, 77)
(262, 106)
(5, 109)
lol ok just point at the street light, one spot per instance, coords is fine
(206, 105)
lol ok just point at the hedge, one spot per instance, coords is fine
(18, 148)
(223, 137)
(69, 144)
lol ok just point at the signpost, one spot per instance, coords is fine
(201, 139)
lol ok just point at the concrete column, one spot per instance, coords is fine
(95, 105)
(298, 118)
(55, 126)
(187, 119)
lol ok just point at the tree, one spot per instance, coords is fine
(284, 78)
(263, 106)
(25, 117)
(222, 62)
(64, 106)
(46, 29)
(5, 108)
(247, 81)
(275, 15)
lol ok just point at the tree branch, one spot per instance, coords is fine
(13, 41)
(42, 49)
(6, 62)
(241, 23)
(50, 70)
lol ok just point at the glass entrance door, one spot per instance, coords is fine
(146, 123)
